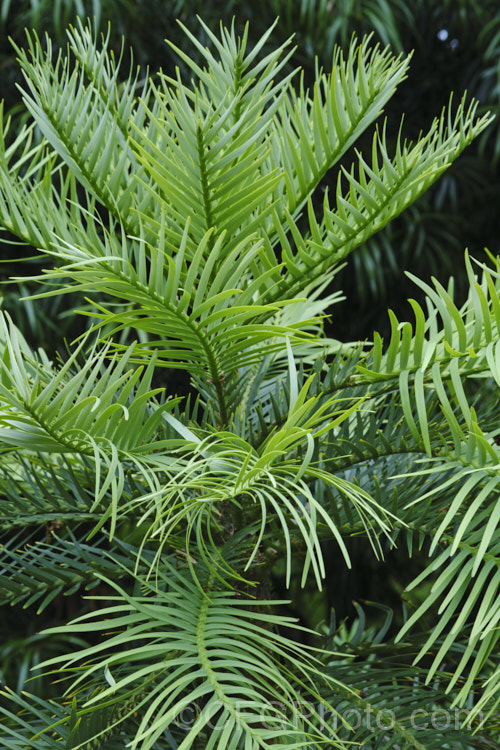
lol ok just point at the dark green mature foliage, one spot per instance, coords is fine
(175, 204)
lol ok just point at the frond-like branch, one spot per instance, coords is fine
(211, 651)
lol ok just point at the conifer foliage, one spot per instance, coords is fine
(177, 207)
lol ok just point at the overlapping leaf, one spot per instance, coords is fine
(105, 413)
(182, 208)
(37, 570)
(379, 192)
(183, 642)
(85, 113)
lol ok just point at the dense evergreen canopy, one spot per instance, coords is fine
(211, 442)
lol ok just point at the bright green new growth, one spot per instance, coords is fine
(180, 206)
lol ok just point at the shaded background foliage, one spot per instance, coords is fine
(456, 46)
